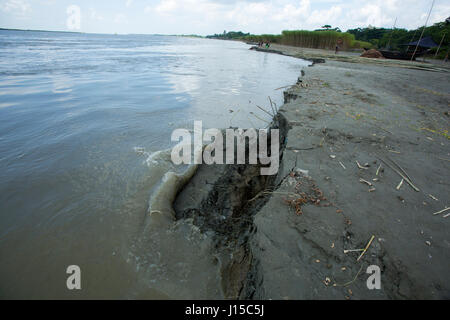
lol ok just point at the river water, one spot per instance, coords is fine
(83, 118)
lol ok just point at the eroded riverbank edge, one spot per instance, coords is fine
(339, 114)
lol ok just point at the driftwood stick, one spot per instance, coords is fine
(365, 249)
(399, 185)
(366, 182)
(378, 170)
(401, 169)
(353, 250)
(401, 175)
(360, 166)
(443, 210)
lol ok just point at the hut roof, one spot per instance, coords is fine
(426, 42)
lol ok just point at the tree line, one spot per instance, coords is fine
(370, 37)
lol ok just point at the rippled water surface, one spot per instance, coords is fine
(81, 116)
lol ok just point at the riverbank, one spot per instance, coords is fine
(320, 55)
(351, 130)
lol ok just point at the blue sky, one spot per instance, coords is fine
(213, 16)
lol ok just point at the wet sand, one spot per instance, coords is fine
(346, 120)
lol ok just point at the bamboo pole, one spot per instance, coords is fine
(390, 37)
(440, 43)
(418, 42)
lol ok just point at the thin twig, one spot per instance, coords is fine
(283, 87)
(378, 170)
(404, 172)
(353, 250)
(400, 185)
(365, 249)
(402, 175)
(271, 105)
(350, 282)
(265, 111)
(443, 210)
(259, 118)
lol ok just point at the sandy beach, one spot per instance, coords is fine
(365, 164)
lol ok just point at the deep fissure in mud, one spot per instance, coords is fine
(227, 210)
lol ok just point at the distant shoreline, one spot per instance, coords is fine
(8, 29)
(109, 34)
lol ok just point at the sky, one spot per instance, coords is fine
(205, 17)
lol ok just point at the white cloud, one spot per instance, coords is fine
(128, 3)
(322, 17)
(167, 6)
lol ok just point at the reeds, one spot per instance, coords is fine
(327, 39)
(317, 39)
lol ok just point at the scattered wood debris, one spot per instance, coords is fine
(306, 192)
(433, 197)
